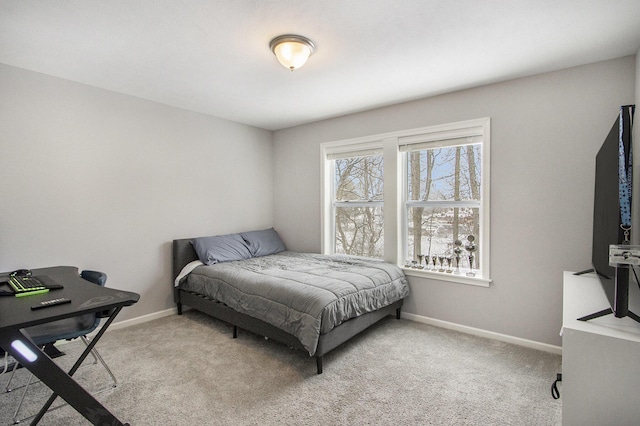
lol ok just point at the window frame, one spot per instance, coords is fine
(395, 190)
(440, 137)
(346, 149)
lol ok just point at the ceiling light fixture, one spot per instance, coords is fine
(292, 50)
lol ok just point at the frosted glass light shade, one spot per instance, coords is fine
(292, 51)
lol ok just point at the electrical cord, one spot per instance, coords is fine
(555, 393)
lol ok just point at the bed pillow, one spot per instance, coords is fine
(263, 243)
(221, 248)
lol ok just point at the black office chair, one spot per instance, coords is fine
(67, 329)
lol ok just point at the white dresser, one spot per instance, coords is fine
(600, 357)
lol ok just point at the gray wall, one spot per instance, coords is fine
(101, 180)
(116, 178)
(545, 130)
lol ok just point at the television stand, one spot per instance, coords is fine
(600, 367)
(607, 311)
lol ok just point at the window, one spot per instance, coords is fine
(436, 192)
(443, 205)
(357, 202)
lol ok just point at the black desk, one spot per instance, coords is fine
(16, 314)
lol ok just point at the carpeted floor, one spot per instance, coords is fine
(187, 370)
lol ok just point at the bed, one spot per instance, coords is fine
(307, 301)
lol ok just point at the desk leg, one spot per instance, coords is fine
(57, 380)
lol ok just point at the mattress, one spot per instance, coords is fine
(302, 294)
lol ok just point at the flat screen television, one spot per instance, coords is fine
(612, 213)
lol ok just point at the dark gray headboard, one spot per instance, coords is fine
(183, 253)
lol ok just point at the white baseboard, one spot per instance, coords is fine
(137, 320)
(142, 319)
(484, 333)
(412, 317)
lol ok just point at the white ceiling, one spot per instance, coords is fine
(213, 56)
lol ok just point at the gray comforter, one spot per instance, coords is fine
(303, 294)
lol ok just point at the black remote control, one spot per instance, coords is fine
(52, 302)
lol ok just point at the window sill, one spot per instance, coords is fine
(440, 276)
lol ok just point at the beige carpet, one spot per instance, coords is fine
(187, 370)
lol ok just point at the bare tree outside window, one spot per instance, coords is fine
(436, 186)
(443, 202)
(358, 205)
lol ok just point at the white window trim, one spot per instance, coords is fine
(447, 135)
(333, 150)
(394, 186)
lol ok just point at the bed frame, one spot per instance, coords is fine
(183, 253)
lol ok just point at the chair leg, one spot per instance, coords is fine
(24, 393)
(98, 357)
(13, 372)
(95, 358)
